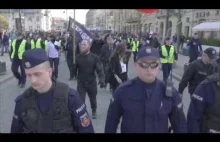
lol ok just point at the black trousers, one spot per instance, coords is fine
(70, 65)
(166, 68)
(16, 63)
(91, 89)
(123, 77)
(135, 55)
(54, 62)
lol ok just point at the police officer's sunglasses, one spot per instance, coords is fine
(147, 65)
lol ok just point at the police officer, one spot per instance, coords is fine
(204, 113)
(37, 42)
(143, 102)
(18, 47)
(194, 44)
(48, 106)
(198, 70)
(87, 64)
(167, 57)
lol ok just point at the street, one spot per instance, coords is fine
(9, 91)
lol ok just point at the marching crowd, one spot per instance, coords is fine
(142, 104)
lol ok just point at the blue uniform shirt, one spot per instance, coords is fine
(144, 108)
(202, 98)
(76, 107)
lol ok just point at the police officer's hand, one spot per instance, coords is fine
(102, 84)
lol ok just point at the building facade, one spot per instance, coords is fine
(90, 18)
(59, 24)
(32, 19)
(130, 20)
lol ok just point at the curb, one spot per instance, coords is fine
(12, 76)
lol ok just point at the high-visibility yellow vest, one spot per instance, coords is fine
(21, 49)
(38, 44)
(165, 54)
(46, 45)
(60, 43)
(129, 40)
(135, 45)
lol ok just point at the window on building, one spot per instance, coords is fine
(30, 19)
(38, 18)
(30, 27)
(38, 27)
(187, 19)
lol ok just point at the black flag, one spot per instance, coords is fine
(81, 32)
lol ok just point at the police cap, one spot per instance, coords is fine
(211, 53)
(34, 57)
(148, 53)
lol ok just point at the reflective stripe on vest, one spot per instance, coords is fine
(38, 44)
(135, 45)
(21, 49)
(129, 40)
(164, 53)
(46, 45)
(60, 43)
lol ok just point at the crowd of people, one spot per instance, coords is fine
(143, 104)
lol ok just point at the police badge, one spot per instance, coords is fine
(213, 52)
(27, 65)
(85, 120)
(148, 50)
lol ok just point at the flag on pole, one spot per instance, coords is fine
(147, 11)
(81, 32)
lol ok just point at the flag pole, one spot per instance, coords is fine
(74, 38)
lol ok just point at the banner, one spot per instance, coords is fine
(81, 32)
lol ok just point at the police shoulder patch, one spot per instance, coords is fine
(85, 120)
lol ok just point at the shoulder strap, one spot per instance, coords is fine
(61, 90)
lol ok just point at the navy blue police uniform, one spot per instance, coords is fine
(218, 61)
(145, 108)
(197, 71)
(52, 111)
(195, 48)
(204, 113)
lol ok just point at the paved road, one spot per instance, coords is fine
(9, 91)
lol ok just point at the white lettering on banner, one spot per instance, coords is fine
(82, 34)
(80, 108)
(197, 97)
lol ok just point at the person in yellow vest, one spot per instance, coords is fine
(167, 57)
(37, 42)
(134, 47)
(46, 43)
(18, 47)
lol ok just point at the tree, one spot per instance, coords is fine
(3, 23)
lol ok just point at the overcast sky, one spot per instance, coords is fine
(80, 14)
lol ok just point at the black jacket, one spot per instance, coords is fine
(194, 75)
